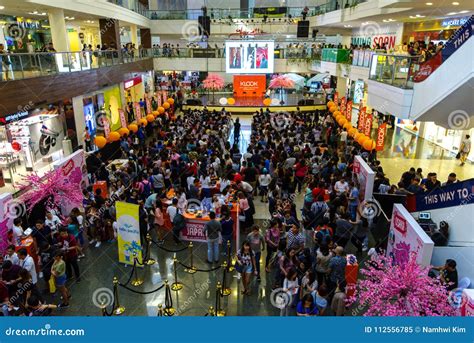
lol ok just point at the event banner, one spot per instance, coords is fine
(106, 124)
(456, 194)
(349, 111)
(336, 98)
(380, 141)
(367, 124)
(360, 124)
(149, 109)
(407, 236)
(194, 231)
(343, 104)
(460, 37)
(250, 85)
(138, 111)
(365, 177)
(128, 232)
(158, 98)
(123, 120)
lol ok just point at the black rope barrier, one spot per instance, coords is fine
(168, 250)
(139, 292)
(199, 270)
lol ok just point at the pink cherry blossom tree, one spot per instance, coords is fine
(389, 289)
(213, 82)
(281, 82)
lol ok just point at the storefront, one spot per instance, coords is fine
(134, 89)
(31, 140)
(17, 32)
(433, 30)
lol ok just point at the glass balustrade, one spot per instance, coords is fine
(395, 70)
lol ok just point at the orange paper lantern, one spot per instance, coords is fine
(369, 144)
(337, 113)
(342, 121)
(143, 122)
(155, 113)
(352, 131)
(333, 109)
(100, 141)
(362, 139)
(166, 105)
(331, 103)
(133, 127)
(114, 136)
(170, 101)
(231, 101)
(161, 110)
(267, 101)
(123, 131)
(347, 126)
(150, 118)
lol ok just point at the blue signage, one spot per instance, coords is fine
(454, 22)
(456, 194)
(460, 37)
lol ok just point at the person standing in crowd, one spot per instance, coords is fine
(337, 269)
(213, 230)
(58, 271)
(68, 245)
(257, 244)
(245, 265)
(465, 149)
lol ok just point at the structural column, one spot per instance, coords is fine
(58, 29)
(110, 32)
(145, 38)
(134, 35)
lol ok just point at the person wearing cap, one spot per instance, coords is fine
(264, 180)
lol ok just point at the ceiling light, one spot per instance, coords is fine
(2, 7)
(452, 13)
(429, 3)
(347, 25)
(455, 3)
(462, 12)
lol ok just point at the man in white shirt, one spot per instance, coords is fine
(27, 262)
(341, 186)
(11, 255)
(465, 149)
(173, 209)
(17, 232)
(343, 137)
(52, 221)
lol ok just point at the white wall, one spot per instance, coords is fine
(463, 257)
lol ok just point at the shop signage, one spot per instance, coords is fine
(381, 132)
(349, 111)
(372, 41)
(360, 124)
(456, 194)
(460, 37)
(367, 124)
(250, 85)
(138, 110)
(132, 82)
(123, 120)
(194, 231)
(336, 98)
(365, 177)
(128, 233)
(454, 22)
(406, 237)
(14, 117)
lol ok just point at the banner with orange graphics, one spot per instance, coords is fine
(250, 85)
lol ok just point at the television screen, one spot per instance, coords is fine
(255, 57)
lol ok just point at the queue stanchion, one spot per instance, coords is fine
(218, 311)
(169, 310)
(136, 280)
(211, 312)
(230, 267)
(118, 310)
(192, 268)
(226, 291)
(176, 285)
(160, 311)
(148, 260)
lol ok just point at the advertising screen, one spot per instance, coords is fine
(253, 57)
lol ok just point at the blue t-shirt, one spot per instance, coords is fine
(313, 310)
(355, 195)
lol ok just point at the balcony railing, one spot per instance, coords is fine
(395, 70)
(235, 13)
(23, 66)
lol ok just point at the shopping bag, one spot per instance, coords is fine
(52, 285)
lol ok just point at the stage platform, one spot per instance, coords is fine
(250, 105)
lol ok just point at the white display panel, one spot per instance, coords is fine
(249, 57)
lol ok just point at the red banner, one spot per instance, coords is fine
(349, 111)
(367, 124)
(427, 68)
(336, 98)
(148, 105)
(250, 85)
(360, 124)
(123, 120)
(138, 111)
(380, 142)
(343, 104)
(158, 98)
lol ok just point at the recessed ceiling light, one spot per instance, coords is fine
(429, 3)
(2, 7)
(455, 3)
(462, 12)
(452, 13)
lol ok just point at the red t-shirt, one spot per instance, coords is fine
(68, 242)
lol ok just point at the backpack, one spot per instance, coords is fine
(146, 189)
(179, 222)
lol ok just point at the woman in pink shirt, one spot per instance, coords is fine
(159, 220)
(301, 169)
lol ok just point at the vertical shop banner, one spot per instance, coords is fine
(106, 123)
(158, 98)
(343, 104)
(148, 105)
(406, 236)
(360, 123)
(365, 177)
(336, 98)
(123, 120)
(380, 141)
(368, 124)
(112, 103)
(128, 235)
(165, 96)
(138, 111)
(349, 111)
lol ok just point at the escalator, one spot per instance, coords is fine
(443, 86)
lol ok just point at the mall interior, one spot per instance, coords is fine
(94, 86)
